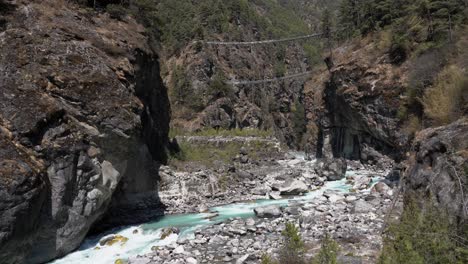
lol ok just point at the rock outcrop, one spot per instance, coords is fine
(438, 169)
(83, 126)
(353, 108)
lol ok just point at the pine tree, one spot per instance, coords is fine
(327, 29)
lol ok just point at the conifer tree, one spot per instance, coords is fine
(327, 29)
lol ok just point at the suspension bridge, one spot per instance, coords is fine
(277, 79)
(264, 42)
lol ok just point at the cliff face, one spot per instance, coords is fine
(438, 169)
(354, 106)
(83, 126)
(267, 105)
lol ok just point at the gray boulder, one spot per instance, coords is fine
(274, 195)
(293, 187)
(332, 169)
(381, 188)
(269, 211)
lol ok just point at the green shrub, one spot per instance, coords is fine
(399, 50)
(423, 236)
(266, 259)
(218, 87)
(117, 11)
(293, 249)
(328, 253)
(280, 69)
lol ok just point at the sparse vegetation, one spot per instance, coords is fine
(181, 91)
(328, 253)
(293, 250)
(218, 87)
(423, 236)
(444, 101)
(116, 11)
(208, 154)
(313, 53)
(212, 132)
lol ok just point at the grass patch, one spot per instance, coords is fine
(212, 132)
(208, 153)
(444, 101)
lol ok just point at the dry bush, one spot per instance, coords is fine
(444, 101)
(384, 40)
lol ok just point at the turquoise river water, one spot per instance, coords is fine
(143, 237)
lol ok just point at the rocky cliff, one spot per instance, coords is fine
(83, 126)
(438, 169)
(269, 105)
(352, 108)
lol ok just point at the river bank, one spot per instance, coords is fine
(351, 210)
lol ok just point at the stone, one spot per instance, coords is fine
(179, 250)
(361, 206)
(333, 196)
(112, 239)
(243, 151)
(257, 245)
(350, 198)
(275, 195)
(293, 187)
(292, 210)
(93, 152)
(380, 188)
(242, 259)
(250, 222)
(332, 169)
(270, 211)
(191, 260)
(202, 208)
(260, 190)
(244, 159)
(322, 208)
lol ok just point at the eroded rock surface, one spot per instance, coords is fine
(83, 123)
(438, 169)
(352, 109)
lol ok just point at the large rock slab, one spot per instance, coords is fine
(270, 211)
(332, 169)
(293, 187)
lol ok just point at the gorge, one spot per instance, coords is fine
(124, 137)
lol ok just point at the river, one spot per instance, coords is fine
(141, 238)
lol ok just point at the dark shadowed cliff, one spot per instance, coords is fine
(84, 118)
